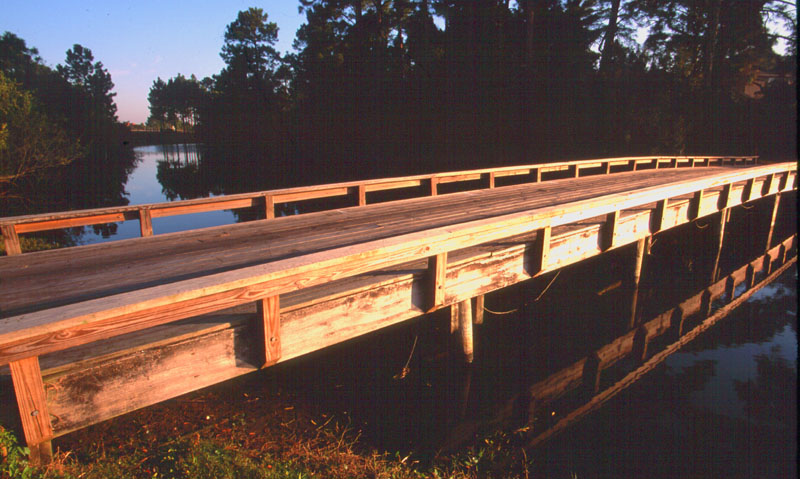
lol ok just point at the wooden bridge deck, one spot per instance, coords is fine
(317, 279)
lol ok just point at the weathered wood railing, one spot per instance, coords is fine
(12, 227)
(543, 239)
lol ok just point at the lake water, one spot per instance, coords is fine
(144, 187)
(725, 405)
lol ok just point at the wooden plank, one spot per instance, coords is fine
(270, 328)
(310, 195)
(454, 178)
(11, 240)
(72, 222)
(164, 211)
(29, 390)
(391, 185)
(145, 222)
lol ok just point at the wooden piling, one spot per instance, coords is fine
(641, 249)
(724, 215)
(730, 288)
(640, 342)
(477, 316)
(591, 375)
(465, 327)
(775, 205)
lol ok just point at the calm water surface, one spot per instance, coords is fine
(143, 186)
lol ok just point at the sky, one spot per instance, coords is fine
(139, 41)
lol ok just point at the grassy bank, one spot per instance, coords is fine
(245, 431)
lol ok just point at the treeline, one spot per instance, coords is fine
(379, 87)
(60, 143)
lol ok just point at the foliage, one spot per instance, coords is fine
(30, 143)
(14, 458)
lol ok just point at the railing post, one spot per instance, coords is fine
(270, 329)
(145, 222)
(11, 240)
(434, 181)
(31, 400)
(269, 207)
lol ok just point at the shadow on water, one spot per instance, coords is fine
(723, 404)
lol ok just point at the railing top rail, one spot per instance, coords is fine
(283, 195)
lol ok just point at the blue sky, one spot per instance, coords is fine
(140, 41)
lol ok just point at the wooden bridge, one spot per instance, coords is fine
(92, 332)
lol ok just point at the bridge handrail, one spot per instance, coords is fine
(11, 227)
(39, 332)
